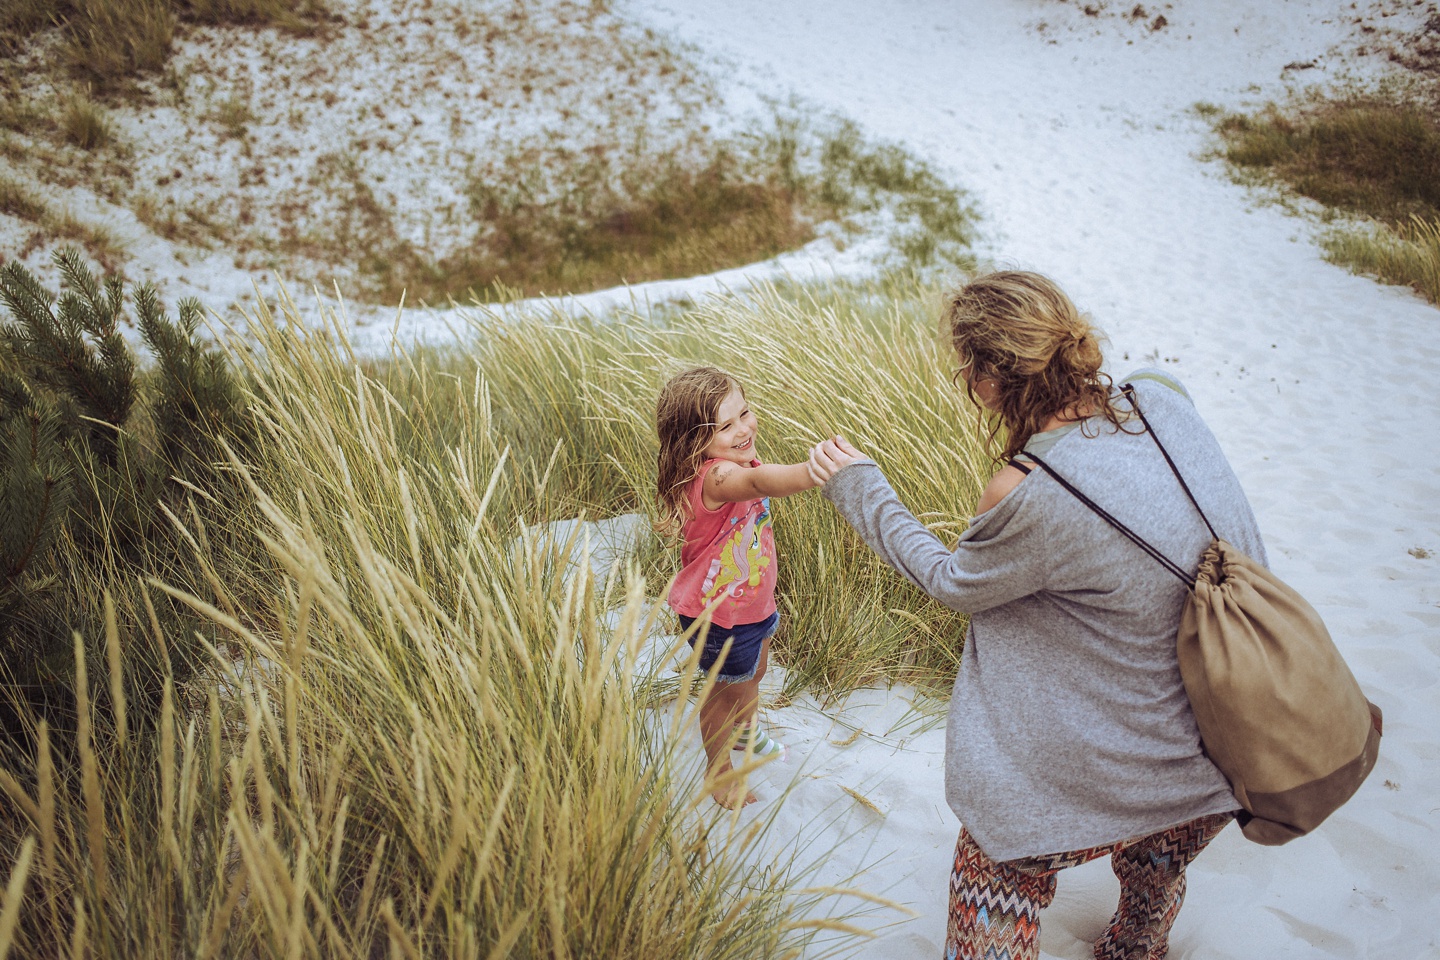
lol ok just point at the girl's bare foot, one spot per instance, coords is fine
(730, 796)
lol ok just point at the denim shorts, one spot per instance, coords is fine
(744, 656)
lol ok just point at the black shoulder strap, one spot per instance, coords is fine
(1170, 565)
(1135, 538)
(1129, 391)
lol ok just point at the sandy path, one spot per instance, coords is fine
(1322, 387)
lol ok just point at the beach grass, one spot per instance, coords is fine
(658, 218)
(22, 201)
(1407, 254)
(1376, 157)
(552, 220)
(1372, 157)
(647, 181)
(109, 42)
(603, 224)
(574, 399)
(21, 18)
(84, 123)
(423, 730)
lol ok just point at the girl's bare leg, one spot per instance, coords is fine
(729, 704)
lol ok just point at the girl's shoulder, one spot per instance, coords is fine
(706, 468)
(716, 484)
(695, 492)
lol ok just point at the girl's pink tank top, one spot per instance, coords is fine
(728, 559)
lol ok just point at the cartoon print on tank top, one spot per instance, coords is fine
(742, 560)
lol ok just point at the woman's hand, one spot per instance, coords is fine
(828, 457)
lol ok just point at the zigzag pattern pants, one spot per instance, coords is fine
(995, 907)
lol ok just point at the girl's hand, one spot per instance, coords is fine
(828, 457)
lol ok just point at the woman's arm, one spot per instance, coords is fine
(829, 456)
(982, 572)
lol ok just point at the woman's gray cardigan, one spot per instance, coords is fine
(1069, 727)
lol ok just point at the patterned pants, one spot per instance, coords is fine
(995, 907)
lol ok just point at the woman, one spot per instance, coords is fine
(1070, 735)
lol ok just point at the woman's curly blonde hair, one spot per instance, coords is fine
(1020, 330)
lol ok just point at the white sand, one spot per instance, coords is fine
(1323, 388)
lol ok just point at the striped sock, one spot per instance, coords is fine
(753, 735)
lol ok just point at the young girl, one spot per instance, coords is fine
(715, 493)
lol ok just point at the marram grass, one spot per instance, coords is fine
(1373, 156)
(1408, 254)
(422, 739)
(574, 399)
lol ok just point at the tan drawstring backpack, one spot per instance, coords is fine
(1278, 710)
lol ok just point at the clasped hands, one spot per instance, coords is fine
(828, 457)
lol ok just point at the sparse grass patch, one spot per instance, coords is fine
(167, 218)
(1375, 157)
(99, 241)
(12, 147)
(934, 221)
(360, 231)
(18, 200)
(234, 116)
(84, 122)
(15, 114)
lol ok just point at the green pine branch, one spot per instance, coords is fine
(78, 352)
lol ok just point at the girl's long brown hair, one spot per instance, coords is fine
(1020, 330)
(685, 421)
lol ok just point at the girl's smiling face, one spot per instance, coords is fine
(735, 431)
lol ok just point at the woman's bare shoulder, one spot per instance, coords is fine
(1000, 485)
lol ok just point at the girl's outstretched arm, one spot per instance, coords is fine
(731, 483)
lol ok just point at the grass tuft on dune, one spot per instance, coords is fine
(1373, 157)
